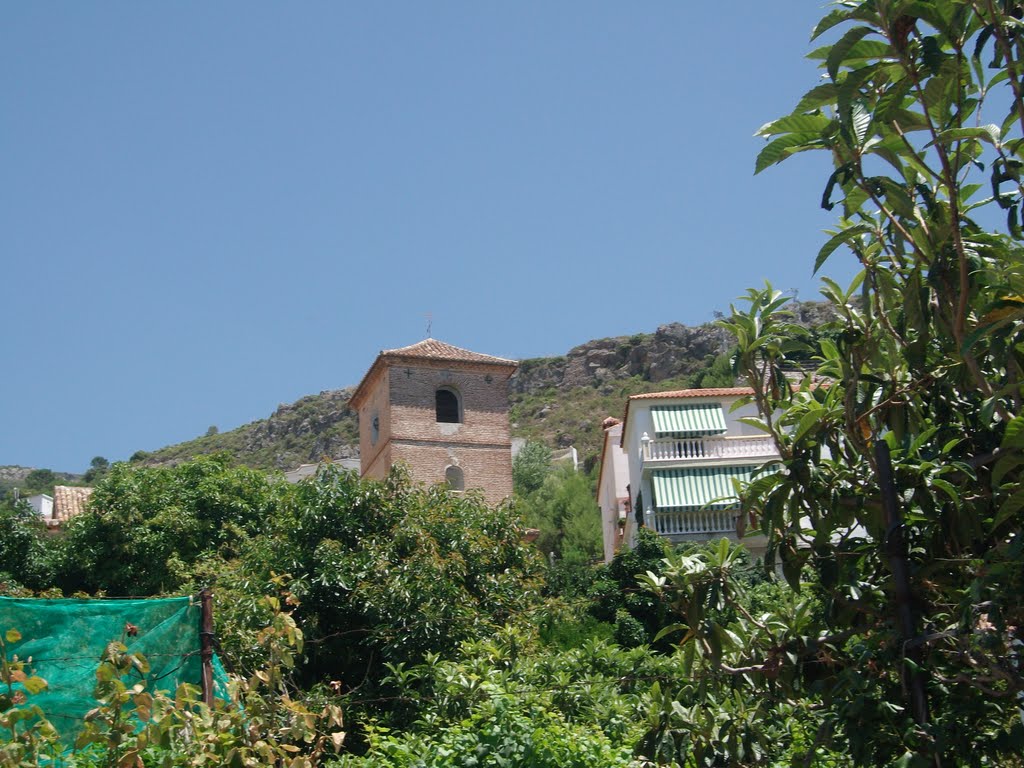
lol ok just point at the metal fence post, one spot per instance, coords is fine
(206, 644)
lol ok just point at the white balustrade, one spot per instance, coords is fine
(704, 448)
(697, 521)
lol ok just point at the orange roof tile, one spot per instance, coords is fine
(69, 500)
(709, 392)
(432, 349)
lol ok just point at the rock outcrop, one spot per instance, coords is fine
(672, 351)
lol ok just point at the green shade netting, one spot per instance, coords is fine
(65, 640)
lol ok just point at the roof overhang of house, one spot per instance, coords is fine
(688, 395)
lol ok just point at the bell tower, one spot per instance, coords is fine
(442, 411)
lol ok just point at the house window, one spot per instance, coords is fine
(455, 479)
(447, 405)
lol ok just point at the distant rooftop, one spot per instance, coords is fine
(709, 392)
(68, 501)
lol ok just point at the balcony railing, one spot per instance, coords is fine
(700, 521)
(707, 448)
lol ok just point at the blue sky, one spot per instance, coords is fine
(208, 209)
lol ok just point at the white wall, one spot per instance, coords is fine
(42, 504)
(640, 421)
(614, 478)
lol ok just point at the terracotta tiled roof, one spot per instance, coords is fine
(69, 501)
(709, 392)
(429, 350)
(432, 349)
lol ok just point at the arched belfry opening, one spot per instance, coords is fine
(447, 407)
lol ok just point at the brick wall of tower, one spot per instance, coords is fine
(485, 468)
(484, 405)
(480, 445)
(402, 395)
(374, 455)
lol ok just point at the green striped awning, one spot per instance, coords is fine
(696, 488)
(688, 420)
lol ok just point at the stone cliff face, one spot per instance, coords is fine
(304, 432)
(312, 421)
(672, 351)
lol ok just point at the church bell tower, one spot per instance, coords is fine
(443, 412)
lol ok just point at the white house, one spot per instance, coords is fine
(613, 490)
(42, 503)
(682, 451)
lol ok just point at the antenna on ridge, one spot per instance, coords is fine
(430, 322)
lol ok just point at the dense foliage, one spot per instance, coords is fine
(149, 530)
(387, 571)
(901, 488)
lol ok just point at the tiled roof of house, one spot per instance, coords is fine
(430, 350)
(69, 501)
(709, 392)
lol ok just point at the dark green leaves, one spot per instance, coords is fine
(781, 148)
(843, 236)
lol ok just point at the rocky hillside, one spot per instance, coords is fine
(306, 431)
(29, 480)
(560, 400)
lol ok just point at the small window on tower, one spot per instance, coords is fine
(453, 476)
(447, 406)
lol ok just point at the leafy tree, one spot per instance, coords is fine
(563, 509)
(390, 571)
(616, 595)
(902, 483)
(40, 481)
(98, 467)
(718, 373)
(148, 528)
(738, 702)
(529, 468)
(23, 546)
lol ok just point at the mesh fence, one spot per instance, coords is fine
(65, 640)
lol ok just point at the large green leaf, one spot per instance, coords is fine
(990, 134)
(808, 422)
(927, 12)
(895, 97)
(838, 239)
(1013, 437)
(1006, 465)
(1012, 506)
(795, 123)
(784, 146)
(817, 97)
(835, 17)
(860, 121)
(842, 48)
